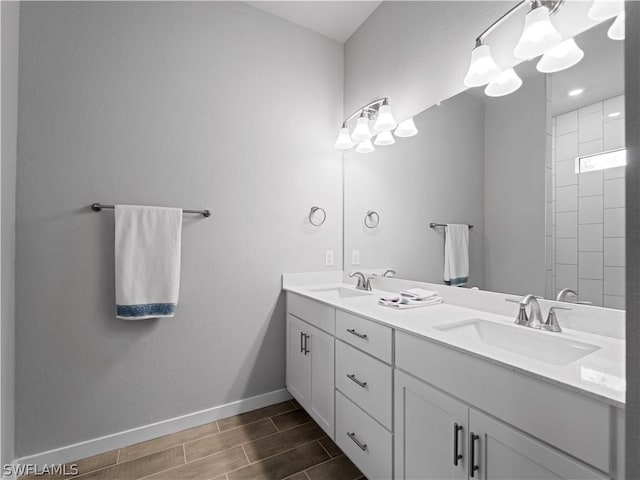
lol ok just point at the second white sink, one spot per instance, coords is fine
(339, 292)
(546, 347)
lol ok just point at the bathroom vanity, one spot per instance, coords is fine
(449, 391)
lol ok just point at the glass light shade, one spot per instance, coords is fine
(406, 128)
(616, 30)
(365, 147)
(344, 141)
(385, 120)
(385, 138)
(604, 9)
(560, 57)
(361, 132)
(482, 69)
(539, 35)
(507, 82)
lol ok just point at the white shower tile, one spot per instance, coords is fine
(589, 148)
(566, 123)
(567, 251)
(567, 198)
(613, 105)
(590, 291)
(614, 222)
(591, 238)
(614, 136)
(567, 225)
(614, 282)
(590, 109)
(613, 301)
(566, 276)
(617, 172)
(590, 183)
(566, 146)
(614, 252)
(590, 210)
(566, 173)
(590, 265)
(590, 127)
(614, 193)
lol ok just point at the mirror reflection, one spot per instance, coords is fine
(538, 173)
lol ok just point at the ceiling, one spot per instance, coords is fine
(334, 19)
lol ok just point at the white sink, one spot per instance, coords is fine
(339, 292)
(546, 347)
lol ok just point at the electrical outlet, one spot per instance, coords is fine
(355, 257)
(328, 258)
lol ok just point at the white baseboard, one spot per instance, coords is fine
(95, 446)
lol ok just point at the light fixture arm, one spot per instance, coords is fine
(370, 109)
(552, 5)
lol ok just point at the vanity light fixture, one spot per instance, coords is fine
(385, 138)
(616, 30)
(365, 147)
(560, 57)
(539, 35)
(379, 112)
(575, 92)
(605, 9)
(507, 82)
(483, 69)
(406, 128)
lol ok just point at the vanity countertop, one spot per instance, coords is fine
(600, 374)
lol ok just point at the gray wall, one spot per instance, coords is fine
(632, 107)
(436, 176)
(215, 105)
(10, 13)
(515, 154)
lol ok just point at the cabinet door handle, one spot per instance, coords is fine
(472, 444)
(352, 436)
(357, 334)
(456, 456)
(301, 342)
(353, 378)
(306, 343)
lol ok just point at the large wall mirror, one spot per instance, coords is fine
(537, 173)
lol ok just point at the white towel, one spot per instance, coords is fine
(419, 294)
(401, 302)
(456, 254)
(147, 254)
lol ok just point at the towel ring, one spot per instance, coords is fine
(369, 220)
(314, 210)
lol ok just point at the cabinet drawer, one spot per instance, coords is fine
(363, 440)
(369, 336)
(571, 422)
(313, 312)
(366, 381)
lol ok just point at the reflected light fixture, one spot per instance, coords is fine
(483, 69)
(507, 82)
(562, 56)
(575, 92)
(605, 9)
(365, 147)
(385, 138)
(613, 114)
(616, 30)
(344, 141)
(378, 112)
(539, 35)
(406, 128)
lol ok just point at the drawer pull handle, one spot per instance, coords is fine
(306, 344)
(357, 334)
(353, 378)
(472, 464)
(301, 342)
(456, 455)
(352, 436)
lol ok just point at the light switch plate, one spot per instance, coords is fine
(328, 258)
(355, 257)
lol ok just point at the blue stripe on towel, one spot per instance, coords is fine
(456, 282)
(146, 310)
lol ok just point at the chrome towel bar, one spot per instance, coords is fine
(97, 207)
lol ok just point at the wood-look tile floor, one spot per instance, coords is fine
(276, 442)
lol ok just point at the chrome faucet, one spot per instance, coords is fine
(552, 325)
(364, 283)
(564, 293)
(535, 319)
(391, 273)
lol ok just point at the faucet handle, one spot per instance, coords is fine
(551, 324)
(522, 318)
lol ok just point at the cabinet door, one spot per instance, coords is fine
(501, 452)
(427, 423)
(321, 399)
(298, 361)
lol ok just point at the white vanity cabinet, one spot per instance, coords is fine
(310, 364)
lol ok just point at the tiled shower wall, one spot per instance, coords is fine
(588, 209)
